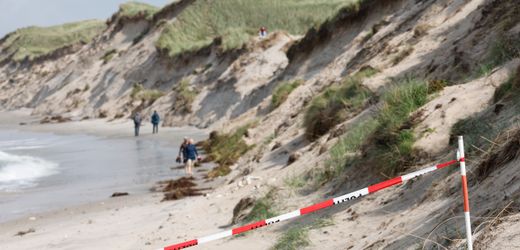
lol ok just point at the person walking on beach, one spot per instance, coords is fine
(155, 122)
(191, 156)
(182, 152)
(137, 123)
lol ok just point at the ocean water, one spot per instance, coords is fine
(43, 171)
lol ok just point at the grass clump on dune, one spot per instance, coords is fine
(33, 42)
(282, 92)
(134, 9)
(185, 96)
(505, 48)
(108, 56)
(334, 106)
(263, 208)
(140, 93)
(295, 238)
(238, 20)
(385, 139)
(393, 138)
(225, 149)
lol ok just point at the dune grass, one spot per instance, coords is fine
(226, 149)
(134, 9)
(140, 93)
(335, 105)
(263, 208)
(236, 21)
(384, 140)
(32, 42)
(393, 138)
(297, 237)
(350, 143)
(109, 55)
(282, 92)
(185, 96)
(293, 239)
(503, 49)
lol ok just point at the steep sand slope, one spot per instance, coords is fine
(436, 40)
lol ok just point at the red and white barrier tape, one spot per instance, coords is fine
(347, 197)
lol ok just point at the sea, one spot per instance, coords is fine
(42, 172)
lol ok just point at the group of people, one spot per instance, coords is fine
(188, 151)
(155, 119)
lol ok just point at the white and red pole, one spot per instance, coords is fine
(467, 217)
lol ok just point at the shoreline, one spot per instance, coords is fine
(85, 215)
(22, 120)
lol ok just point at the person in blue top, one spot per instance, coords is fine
(191, 155)
(155, 122)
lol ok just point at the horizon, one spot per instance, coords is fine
(26, 13)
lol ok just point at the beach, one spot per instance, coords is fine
(66, 173)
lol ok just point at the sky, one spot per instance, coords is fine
(16, 14)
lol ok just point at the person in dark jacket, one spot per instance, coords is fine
(137, 123)
(155, 122)
(182, 152)
(191, 156)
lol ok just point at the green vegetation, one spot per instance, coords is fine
(269, 138)
(350, 143)
(298, 236)
(295, 182)
(134, 9)
(226, 149)
(149, 95)
(238, 20)
(335, 105)
(402, 55)
(282, 92)
(33, 42)
(503, 50)
(109, 55)
(385, 140)
(473, 128)
(393, 138)
(136, 89)
(295, 238)
(511, 87)
(263, 208)
(435, 86)
(185, 96)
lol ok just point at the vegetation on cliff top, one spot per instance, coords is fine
(33, 42)
(237, 20)
(133, 9)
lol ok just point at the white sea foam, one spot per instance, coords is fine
(18, 171)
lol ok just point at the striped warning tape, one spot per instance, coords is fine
(347, 197)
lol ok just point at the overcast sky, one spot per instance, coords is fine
(22, 13)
